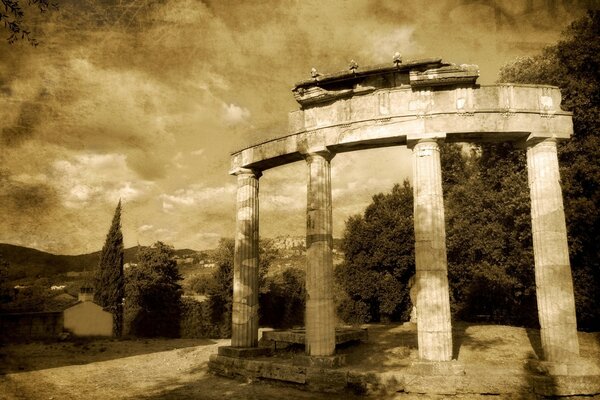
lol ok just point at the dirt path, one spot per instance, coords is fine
(179, 373)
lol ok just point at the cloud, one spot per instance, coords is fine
(82, 180)
(196, 195)
(145, 228)
(26, 194)
(234, 114)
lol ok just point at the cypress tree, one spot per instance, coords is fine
(109, 279)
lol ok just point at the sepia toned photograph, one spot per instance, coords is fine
(345, 199)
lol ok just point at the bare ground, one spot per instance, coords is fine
(177, 368)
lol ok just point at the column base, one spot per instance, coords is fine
(570, 378)
(434, 377)
(243, 352)
(573, 367)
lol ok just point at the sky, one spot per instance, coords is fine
(144, 101)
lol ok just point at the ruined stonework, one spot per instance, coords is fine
(417, 104)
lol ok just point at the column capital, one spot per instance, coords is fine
(538, 137)
(238, 171)
(534, 140)
(434, 138)
(323, 151)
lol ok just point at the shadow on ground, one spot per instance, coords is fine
(39, 355)
(210, 387)
(536, 342)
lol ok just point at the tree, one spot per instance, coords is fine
(5, 290)
(219, 287)
(283, 298)
(153, 293)
(109, 279)
(378, 259)
(488, 235)
(13, 18)
(573, 64)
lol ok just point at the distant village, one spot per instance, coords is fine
(291, 252)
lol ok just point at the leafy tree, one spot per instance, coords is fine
(219, 288)
(378, 259)
(13, 18)
(109, 280)
(573, 64)
(489, 245)
(31, 298)
(283, 299)
(5, 289)
(153, 294)
(199, 284)
(196, 321)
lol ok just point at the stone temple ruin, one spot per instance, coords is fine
(418, 104)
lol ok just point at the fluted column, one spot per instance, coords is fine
(320, 311)
(433, 299)
(244, 329)
(554, 284)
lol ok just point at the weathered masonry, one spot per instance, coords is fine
(418, 104)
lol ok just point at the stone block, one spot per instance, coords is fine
(435, 368)
(284, 372)
(578, 367)
(566, 385)
(280, 339)
(334, 361)
(493, 384)
(430, 384)
(243, 352)
(326, 380)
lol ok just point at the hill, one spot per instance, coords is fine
(26, 262)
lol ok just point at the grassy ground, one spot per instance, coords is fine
(176, 368)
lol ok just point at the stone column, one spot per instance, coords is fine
(244, 329)
(554, 284)
(433, 298)
(320, 311)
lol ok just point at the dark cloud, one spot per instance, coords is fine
(21, 197)
(30, 115)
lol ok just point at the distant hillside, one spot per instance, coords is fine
(27, 262)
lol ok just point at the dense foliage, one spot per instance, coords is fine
(281, 294)
(5, 290)
(153, 294)
(282, 299)
(379, 260)
(219, 288)
(573, 65)
(196, 320)
(109, 280)
(488, 234)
